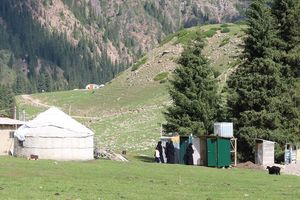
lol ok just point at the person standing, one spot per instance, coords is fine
(171, 153)
(189, 154)
(157, 156)
(160, 149)
(167, 152)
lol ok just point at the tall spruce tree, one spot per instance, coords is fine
(258, 103)
(194, 94)
(287, 16)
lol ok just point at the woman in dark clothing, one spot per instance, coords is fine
(166, 152)
(189, 154)
(160, 149)
(171, 152)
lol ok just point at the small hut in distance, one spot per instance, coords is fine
(7, 129)
(264, 152)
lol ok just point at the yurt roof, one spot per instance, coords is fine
(52, 123)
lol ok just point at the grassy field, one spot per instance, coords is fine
(107, 180)
(123, 118)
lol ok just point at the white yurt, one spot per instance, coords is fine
(54, 135)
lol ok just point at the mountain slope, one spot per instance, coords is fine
(70, 43)
(127, 112)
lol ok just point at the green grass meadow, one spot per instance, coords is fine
(108, 180)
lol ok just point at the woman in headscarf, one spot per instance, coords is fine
(189, 154)
(171, 152)
(160, 149)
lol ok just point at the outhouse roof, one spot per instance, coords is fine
(262, 140)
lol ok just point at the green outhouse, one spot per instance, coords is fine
(218, 152)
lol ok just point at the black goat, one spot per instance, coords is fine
(274, 170)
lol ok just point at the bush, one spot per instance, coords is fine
(224, 25)
(225, 30)
(210, 33)
(161, 76)
(139, 63)
(216, 73)
(215, 28)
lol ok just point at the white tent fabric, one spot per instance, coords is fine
(52, 123)
(55, 135)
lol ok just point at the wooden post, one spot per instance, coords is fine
(233, 142)
(235, 152)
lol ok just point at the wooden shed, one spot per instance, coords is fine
(264, 152)
(7, 129)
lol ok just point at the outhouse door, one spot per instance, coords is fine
(184, 142)
(212, 152)
(224, 159)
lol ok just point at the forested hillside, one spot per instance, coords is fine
(39, 60)
(49, 45)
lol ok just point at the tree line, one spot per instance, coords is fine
(263, 96)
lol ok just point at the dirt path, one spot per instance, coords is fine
(293, 169)
(36, 102)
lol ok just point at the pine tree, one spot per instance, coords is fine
(194, 94)
(287, 16)
(20, 85)
(257, 104)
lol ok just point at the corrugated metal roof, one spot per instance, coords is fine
(8, 121)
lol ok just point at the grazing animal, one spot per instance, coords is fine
(274, 170)
(33, 157)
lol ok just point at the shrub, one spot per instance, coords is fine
(215, 28)
(139, 63)
(216, 73)
(224, 25)
(210, 33)
(225, 30)
(161, 76)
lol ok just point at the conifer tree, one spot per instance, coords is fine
(194, 94)
(287, 16)
(257, 104)
(20, 85)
